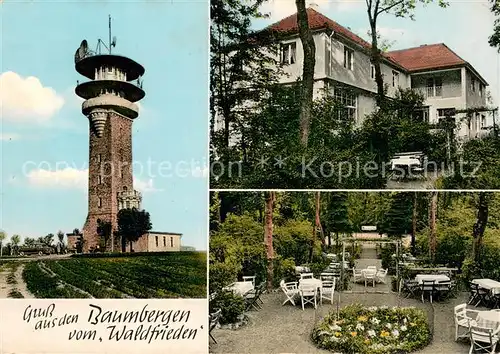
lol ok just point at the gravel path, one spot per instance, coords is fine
(286, 329)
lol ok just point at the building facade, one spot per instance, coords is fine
(158, 242)
(343, 68)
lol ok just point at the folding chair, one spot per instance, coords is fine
(308, 295)
(249, 278)
(409, 287)
(483, 339)
(369, 276)
(291, 290)
(306, 275)
(327, 276)
(357, 275)
(214, 321)
(372, 268)
(428, 286)
(251, 299)
(482, 295)
(327, 290)
(380, 276)
(463, 321)
(261, 290)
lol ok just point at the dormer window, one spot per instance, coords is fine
(288, 53)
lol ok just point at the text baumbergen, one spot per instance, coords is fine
(153, 324)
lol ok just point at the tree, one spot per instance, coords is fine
(29, 241)
(397, 220)
(375, 8)
(309, 48)
(337, 215)
(494, 39)
(480, 225)
(268, 236)
(60, 238)
(3, 236)
(105, 231)
(432, 225)
(15, 240)
(132, 224)
(47, 240)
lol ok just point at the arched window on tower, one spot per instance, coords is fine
(99, 203)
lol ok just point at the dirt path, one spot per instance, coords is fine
(21, 285)
(4, 287)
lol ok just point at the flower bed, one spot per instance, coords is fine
(373, 330)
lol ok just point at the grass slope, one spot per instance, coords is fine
(166, 275)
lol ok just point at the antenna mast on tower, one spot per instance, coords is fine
(109, 16)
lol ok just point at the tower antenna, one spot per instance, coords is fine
(109, 34)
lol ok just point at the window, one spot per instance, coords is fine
(110, 69)
(99, 179)
(483, 121)
(288, 53)
(171, 242)
(164, 241)
(421, 114)
(156, 237)
(395, 79)
(348, 58)
(99, 157)
(446, 112)
(372, 71)
(434, 87)
(127, 204)
(99, 202)
(348, 100)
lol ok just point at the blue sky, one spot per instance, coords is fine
(44, 136)
(464, 26)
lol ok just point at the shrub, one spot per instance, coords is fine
(374, 330)
(232, 306)
(221, 275)
(284, 269)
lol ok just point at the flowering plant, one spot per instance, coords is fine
(373, 330)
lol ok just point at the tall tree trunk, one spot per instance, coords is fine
(268, 237)
(414, 224)
(375, 55)
(480, 226)
(306, 98)
(432, 226)
(318, 227)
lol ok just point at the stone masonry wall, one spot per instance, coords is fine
(110, 172)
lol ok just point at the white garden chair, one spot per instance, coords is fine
(250, 278)
(327, 276)
(291, 290)
(372, 268)
(306, 276)
(380, 276)
(370, 277)
(308, 295)
(463, 321)
(357, 275)
(327, 290)
(483, 339)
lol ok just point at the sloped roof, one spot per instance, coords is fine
(432, 56)
(316, 21)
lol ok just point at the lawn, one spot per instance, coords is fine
(160, 275)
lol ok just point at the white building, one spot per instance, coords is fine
(343, 60)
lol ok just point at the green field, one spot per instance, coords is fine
(165, 275)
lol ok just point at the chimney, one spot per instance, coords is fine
(314, 6)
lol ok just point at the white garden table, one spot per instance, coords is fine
(429, 277)
(488, 319)
(311, 282)
(489, 284)
(241, 287)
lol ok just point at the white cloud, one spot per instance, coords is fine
(26, 99)
(74, 178)
(67, 178)
(9, 136)
(145, 186)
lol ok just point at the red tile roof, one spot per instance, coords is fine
(316, 21)
(432, 56)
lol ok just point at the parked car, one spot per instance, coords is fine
(38, 249)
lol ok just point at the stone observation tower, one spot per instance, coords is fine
(110, 94)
